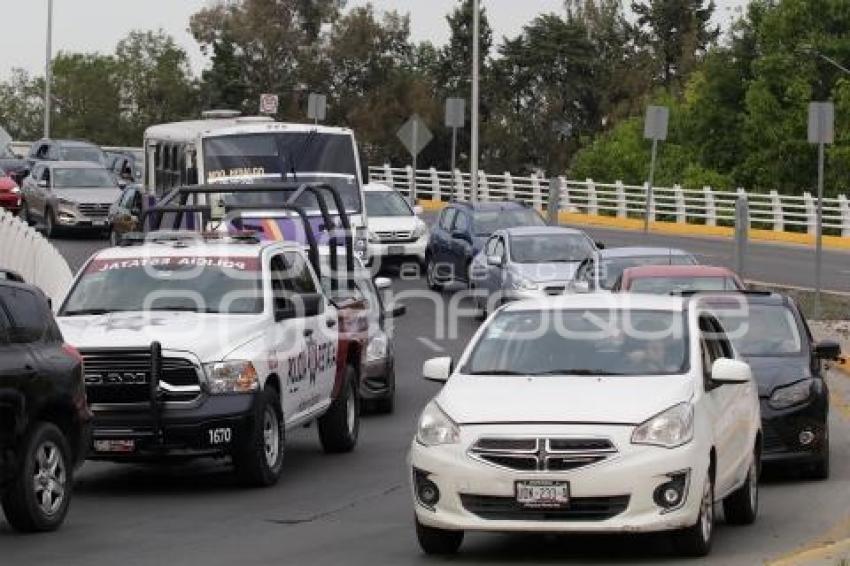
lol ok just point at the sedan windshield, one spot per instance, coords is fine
(230, 285)
(582, 342)
(82, 178)
(550, 248)
(387, 203)
(488, 221)
(667, 285)
(612, 268)
(762, 330)
(82, 153)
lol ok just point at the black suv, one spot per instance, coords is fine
(44, 418)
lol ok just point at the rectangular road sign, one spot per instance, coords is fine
(317, 107)
(455, 112)
(269, 103)
(821, 122)
(655, 126)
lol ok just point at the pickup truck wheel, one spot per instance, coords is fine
(339, 427)
(259, 461)
(438, 542)
(38, 498)
(696, 540)
(741, 507)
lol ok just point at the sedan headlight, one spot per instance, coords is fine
(377, 349)
(421, 230)
(237, 376)
(436, 428)
(671, 428)
(790, 395)
(525, 285)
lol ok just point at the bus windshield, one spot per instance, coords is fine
(285, 156)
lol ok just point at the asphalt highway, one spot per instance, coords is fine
(355, 509)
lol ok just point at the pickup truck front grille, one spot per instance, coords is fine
(123, 377)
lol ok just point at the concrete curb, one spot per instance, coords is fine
(681, 229)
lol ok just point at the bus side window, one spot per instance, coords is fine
(178, 160)
(191, 166)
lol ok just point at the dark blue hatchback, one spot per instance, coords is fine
(461, 231)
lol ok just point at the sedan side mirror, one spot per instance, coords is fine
(600, 245)
(828, 350)
(437, 369)
(730, 372)
(494, 260)
(396, 310)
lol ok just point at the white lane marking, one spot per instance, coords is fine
(431, 344)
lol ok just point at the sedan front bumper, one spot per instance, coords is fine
(612, 495)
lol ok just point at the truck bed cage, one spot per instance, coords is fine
(177, 202)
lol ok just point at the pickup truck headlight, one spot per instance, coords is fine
(790, 395)
(436, 428)
(237, 376)
(377, 349)
(669, 429)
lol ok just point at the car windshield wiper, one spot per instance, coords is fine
(497, 372)
(83, 312)
(577, 372)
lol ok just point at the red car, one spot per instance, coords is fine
(10, 194)
(666, 279)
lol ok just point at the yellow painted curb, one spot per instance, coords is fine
(680, 229)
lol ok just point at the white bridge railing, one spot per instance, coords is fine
(708, 206)
(28, 253)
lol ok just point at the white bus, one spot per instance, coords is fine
(225, 148)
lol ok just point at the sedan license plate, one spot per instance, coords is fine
(115, 446)
(543, 494)
(395, 250)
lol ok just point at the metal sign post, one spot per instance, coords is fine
(821, 132)
(415, 135)
(554, 204)
(48, 78)
(317, 107)
(742, 233)
(476, 55)
(655, 129)
(455, 118)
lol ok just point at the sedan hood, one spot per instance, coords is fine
(106, 195)
(556, 399)
(773, 372)
(211, 337)
(545, 272)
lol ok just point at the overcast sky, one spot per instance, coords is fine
(97, 25)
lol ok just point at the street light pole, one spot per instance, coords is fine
(48, 74)
(476, 46)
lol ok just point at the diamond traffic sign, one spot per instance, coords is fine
(415, 135)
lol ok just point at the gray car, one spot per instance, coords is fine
(65, 195)
(614, 261)
(527, 262)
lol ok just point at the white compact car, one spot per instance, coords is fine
(395, 229)
(592, 413)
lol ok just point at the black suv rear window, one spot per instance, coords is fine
(30, 319)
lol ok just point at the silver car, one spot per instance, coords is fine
(62, 195)
(527, 262)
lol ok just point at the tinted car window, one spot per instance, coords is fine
(488, 221)
(4, 328)
(461, 222)
(387, 204)
(765, 330)
(447, 218)
(28, 314)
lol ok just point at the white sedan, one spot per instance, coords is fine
(593, 413)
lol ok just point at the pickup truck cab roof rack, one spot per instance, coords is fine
(177, 203)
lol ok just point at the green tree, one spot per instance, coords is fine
(86, 98)
(156, 83)
(676, 33)
(22, 105)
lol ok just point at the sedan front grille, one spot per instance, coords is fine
(542, 454)
(496, 508)
(93, 209)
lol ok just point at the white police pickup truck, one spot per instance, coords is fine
(210, 346)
